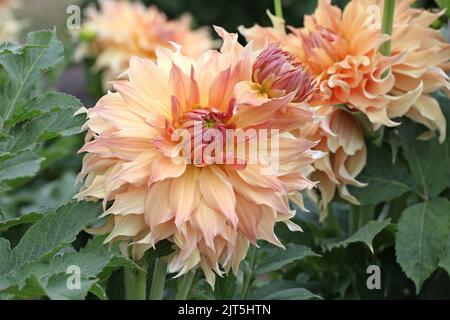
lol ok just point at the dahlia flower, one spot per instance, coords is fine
(10, 26)
(160, 158)
(341, 48)
(425, 61)
(122, 29)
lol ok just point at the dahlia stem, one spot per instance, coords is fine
(135, 284)
(386, 27)
(185, 286)
(248, 276)
(278, 8)
(158, 280)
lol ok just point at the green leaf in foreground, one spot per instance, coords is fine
(422, 235)
(53, 231)
(48, 126)
(444, 262)
(25, 164)
(292, 294)
(386, 180)
(365, 234)
(278, 258)
(26, 218)
(45, 103)
(429, 169)
(41, 52)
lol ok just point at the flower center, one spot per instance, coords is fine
(204, 135)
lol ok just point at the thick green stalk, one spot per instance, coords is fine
(158, 280)
(278, 8)
(386, 27)
(185, 286)
(135, 284)
(248, 276)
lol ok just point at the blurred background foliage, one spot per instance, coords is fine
(340, 272)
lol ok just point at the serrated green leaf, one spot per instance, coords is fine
(5, 253)
(48, 126)
(430, 176)
(50, 275)
(10, 47)
(423, 231)
(444, 261)
(365, 234)
(56, 288)
(26, 218)
(386, 180)
(25, 164)
(41, 52)
(292, 294)
(47, 102)
(278, 258)
(53, 231)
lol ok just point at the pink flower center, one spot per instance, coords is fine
(206, 129)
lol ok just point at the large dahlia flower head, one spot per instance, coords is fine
(211, 208)
(342, 49)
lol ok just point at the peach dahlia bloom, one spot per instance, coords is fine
(425, 62)
(341, 48)
(210, 209)
(123, 29)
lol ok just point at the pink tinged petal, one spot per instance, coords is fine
(185, 195)
(161, 232)
(136, 172)
(258, 195)
(209, 222)
(380, 116)
(184, 88)
(113, 109)
(163, 168)
(218, 193)
(249, 93)
(127, 226)
(399, 105)
(253, 175)
(146, 76)
(157, 210)
(140, 103)
(249, 215)
(115, 146)
(266, 225)
(130, 202)
(240, 251)
(427, 111)
(254, 115)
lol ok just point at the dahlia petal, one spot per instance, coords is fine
(185, 195)
(218, 192)
(129, 226)
(164, 167)
(130, 202)
(209, 222)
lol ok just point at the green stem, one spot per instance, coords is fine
(135, 283)
(185, 286)
(158, 280)
(248, 276)
(386, 27)
(278, 8)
